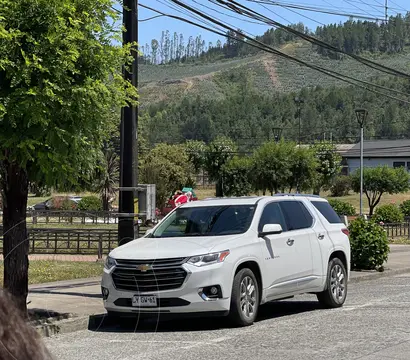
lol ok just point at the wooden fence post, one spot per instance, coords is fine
(100, 247)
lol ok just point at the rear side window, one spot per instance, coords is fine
(327, 211)
(296, 215)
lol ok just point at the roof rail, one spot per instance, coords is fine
(304, 195)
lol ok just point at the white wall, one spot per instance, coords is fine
(354, 164)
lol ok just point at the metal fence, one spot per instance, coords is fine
(73, 217)
(72, 241)
(397, 230)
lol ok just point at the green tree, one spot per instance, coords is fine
(196, 151)
(236, 175)
(303, 169)
(219, 152)
(272, 166)
(60, 81)
(329, 165)
(108, 178)
(168, 167)
(381, 180)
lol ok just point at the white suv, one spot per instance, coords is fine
(230, 255)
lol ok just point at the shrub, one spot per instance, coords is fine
(342, 208)
(405, 208)
(61, 203)
(90, 203)
(341, 186)
(369, 245)
(389, 213)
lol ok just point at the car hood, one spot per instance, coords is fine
(163, 248)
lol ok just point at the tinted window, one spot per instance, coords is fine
(327, 211)
(272, 214)
(206, 221)
(296, 215)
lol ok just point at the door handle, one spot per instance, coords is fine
(321, 236)
(290, 242)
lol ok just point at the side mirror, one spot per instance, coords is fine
(271, 229)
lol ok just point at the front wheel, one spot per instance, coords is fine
(244, 298)
(334, 295)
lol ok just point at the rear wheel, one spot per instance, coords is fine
(334, 295)
(244, 298)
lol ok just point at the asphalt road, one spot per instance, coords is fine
(374, 324)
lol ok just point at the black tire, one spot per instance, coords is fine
(236, 314)
(336, 298)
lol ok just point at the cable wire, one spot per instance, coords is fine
(267, 48)
(236, 7)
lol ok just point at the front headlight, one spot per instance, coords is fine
(109, 263)
(208, 259)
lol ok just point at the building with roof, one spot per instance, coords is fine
(391, 153)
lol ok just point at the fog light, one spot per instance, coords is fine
(209, 293)
(105, 293)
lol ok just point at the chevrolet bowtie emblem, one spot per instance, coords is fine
(144, 268)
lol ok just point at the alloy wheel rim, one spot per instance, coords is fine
(248, 297)
(338, 283)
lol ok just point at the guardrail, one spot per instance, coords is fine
(72, 241)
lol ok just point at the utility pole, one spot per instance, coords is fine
(361, 115)
(129, 119)
(386, 9)
(298, 102)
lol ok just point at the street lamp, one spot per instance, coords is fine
(299, 101)
(361, 115)
(277, 132)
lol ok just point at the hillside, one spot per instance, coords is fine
(172, 82)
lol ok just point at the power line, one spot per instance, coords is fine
(239, 8)
(357, 7)
(317, 9)
(231, 16)
(267, 48)
(151, 18)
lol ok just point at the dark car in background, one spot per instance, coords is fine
(55, 202)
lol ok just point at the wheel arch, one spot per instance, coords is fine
(254, 266)
(339, 254)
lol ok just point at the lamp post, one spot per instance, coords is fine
(361, 115)
(298, 102)
(277, 132)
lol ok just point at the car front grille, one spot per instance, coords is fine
(149, 275)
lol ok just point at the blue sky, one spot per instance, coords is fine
(149, 30)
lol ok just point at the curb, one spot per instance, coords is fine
(378, 275)
(67, 283)
(63, 326)
(85, 322)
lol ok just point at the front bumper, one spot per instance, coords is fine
(184, 300)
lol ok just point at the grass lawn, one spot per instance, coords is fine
(48, 271)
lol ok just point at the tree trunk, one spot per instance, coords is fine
(106, 201)
(219, 188)
(15, 240)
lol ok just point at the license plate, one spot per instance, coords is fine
(143, 301)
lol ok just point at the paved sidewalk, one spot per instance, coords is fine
(83, 297)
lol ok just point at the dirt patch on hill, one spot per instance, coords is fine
(270, 67)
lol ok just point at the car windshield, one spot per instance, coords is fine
(206, 221)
